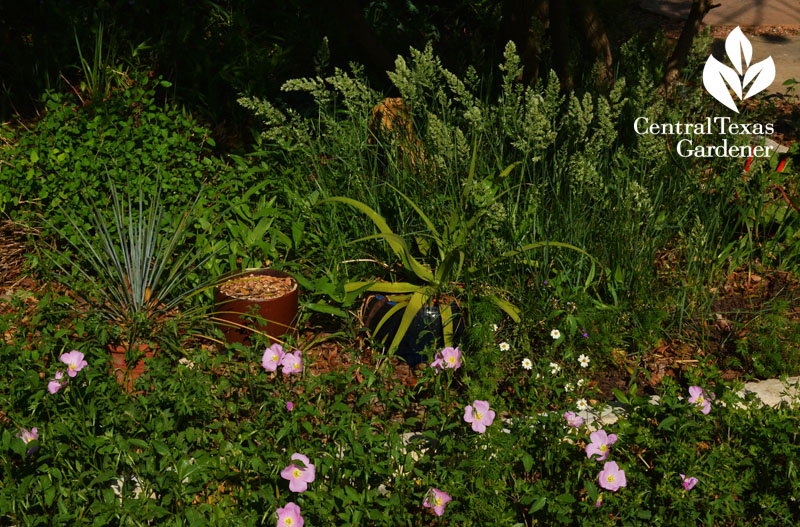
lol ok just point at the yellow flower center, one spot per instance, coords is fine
(438, 501)
(700, 400)
(275, 358)
(610, 478)
(296, 365)
(72, 366)
(478, 416)
(296, 473)
(451, 360)
(288, 521)
(603, 448)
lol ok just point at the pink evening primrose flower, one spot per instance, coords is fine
(437, 499)
(272, 357)
(28, 436)
(479, 415)
(74, 361)
(447, 358)
(292, 362)
(599, 445)
(611, 477)
(700, 398)
(299, 477)
(289, 406)
(573, 420)
(56, 384)
(688, 483)
(289, 516)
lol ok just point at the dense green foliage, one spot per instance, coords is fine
(205, 440)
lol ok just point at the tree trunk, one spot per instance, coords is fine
(677, 61)
(596, 39)
(559, 31)
(518, 26)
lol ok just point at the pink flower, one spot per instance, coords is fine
(480, 416)
(272, 357)
(599, 445)
(599, 501)
(437, 499)
(289, 516)
(447, 358)
(700, 398)
(611, 477)
(56, 384)
(74, 361)
(299, 477)
(573, 420)
(28, 436)
(688, 483)
(289, 406)
(292, 362)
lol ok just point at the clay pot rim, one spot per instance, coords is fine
(234, 275)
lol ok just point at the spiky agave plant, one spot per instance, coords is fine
(136, 278)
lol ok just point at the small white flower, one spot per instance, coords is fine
(584, 360)
(556, 334)
(569, 387)
(538, 376)
(580, 382)
(527, 364)
(582, 404)
(495, 327)
(504, 346)
(554, 368)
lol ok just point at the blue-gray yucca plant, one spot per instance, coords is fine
(136, 280)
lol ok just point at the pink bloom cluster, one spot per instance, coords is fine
(688, 483)
(573, 420)
(699, 397)
(75, 363)
(299, 476)
(436, 499)
(289, 516)
(447, 358)
(612, 477)
(479, 414)
(274, 356)
(599, 445)
(27, 436)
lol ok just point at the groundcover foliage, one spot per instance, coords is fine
(222, 436)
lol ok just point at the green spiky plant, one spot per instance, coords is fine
(132, 273)
(444, 264)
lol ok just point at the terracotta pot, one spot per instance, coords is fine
(119, 366)
(238, 318)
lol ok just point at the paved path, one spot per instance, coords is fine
(734, 12)
(784, 50)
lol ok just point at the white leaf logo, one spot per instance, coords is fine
(719, 79)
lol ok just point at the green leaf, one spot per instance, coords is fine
(414, 305)
(538, 504)
(527, 462)
(667, 423)
(507, 307)
(321, 307)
